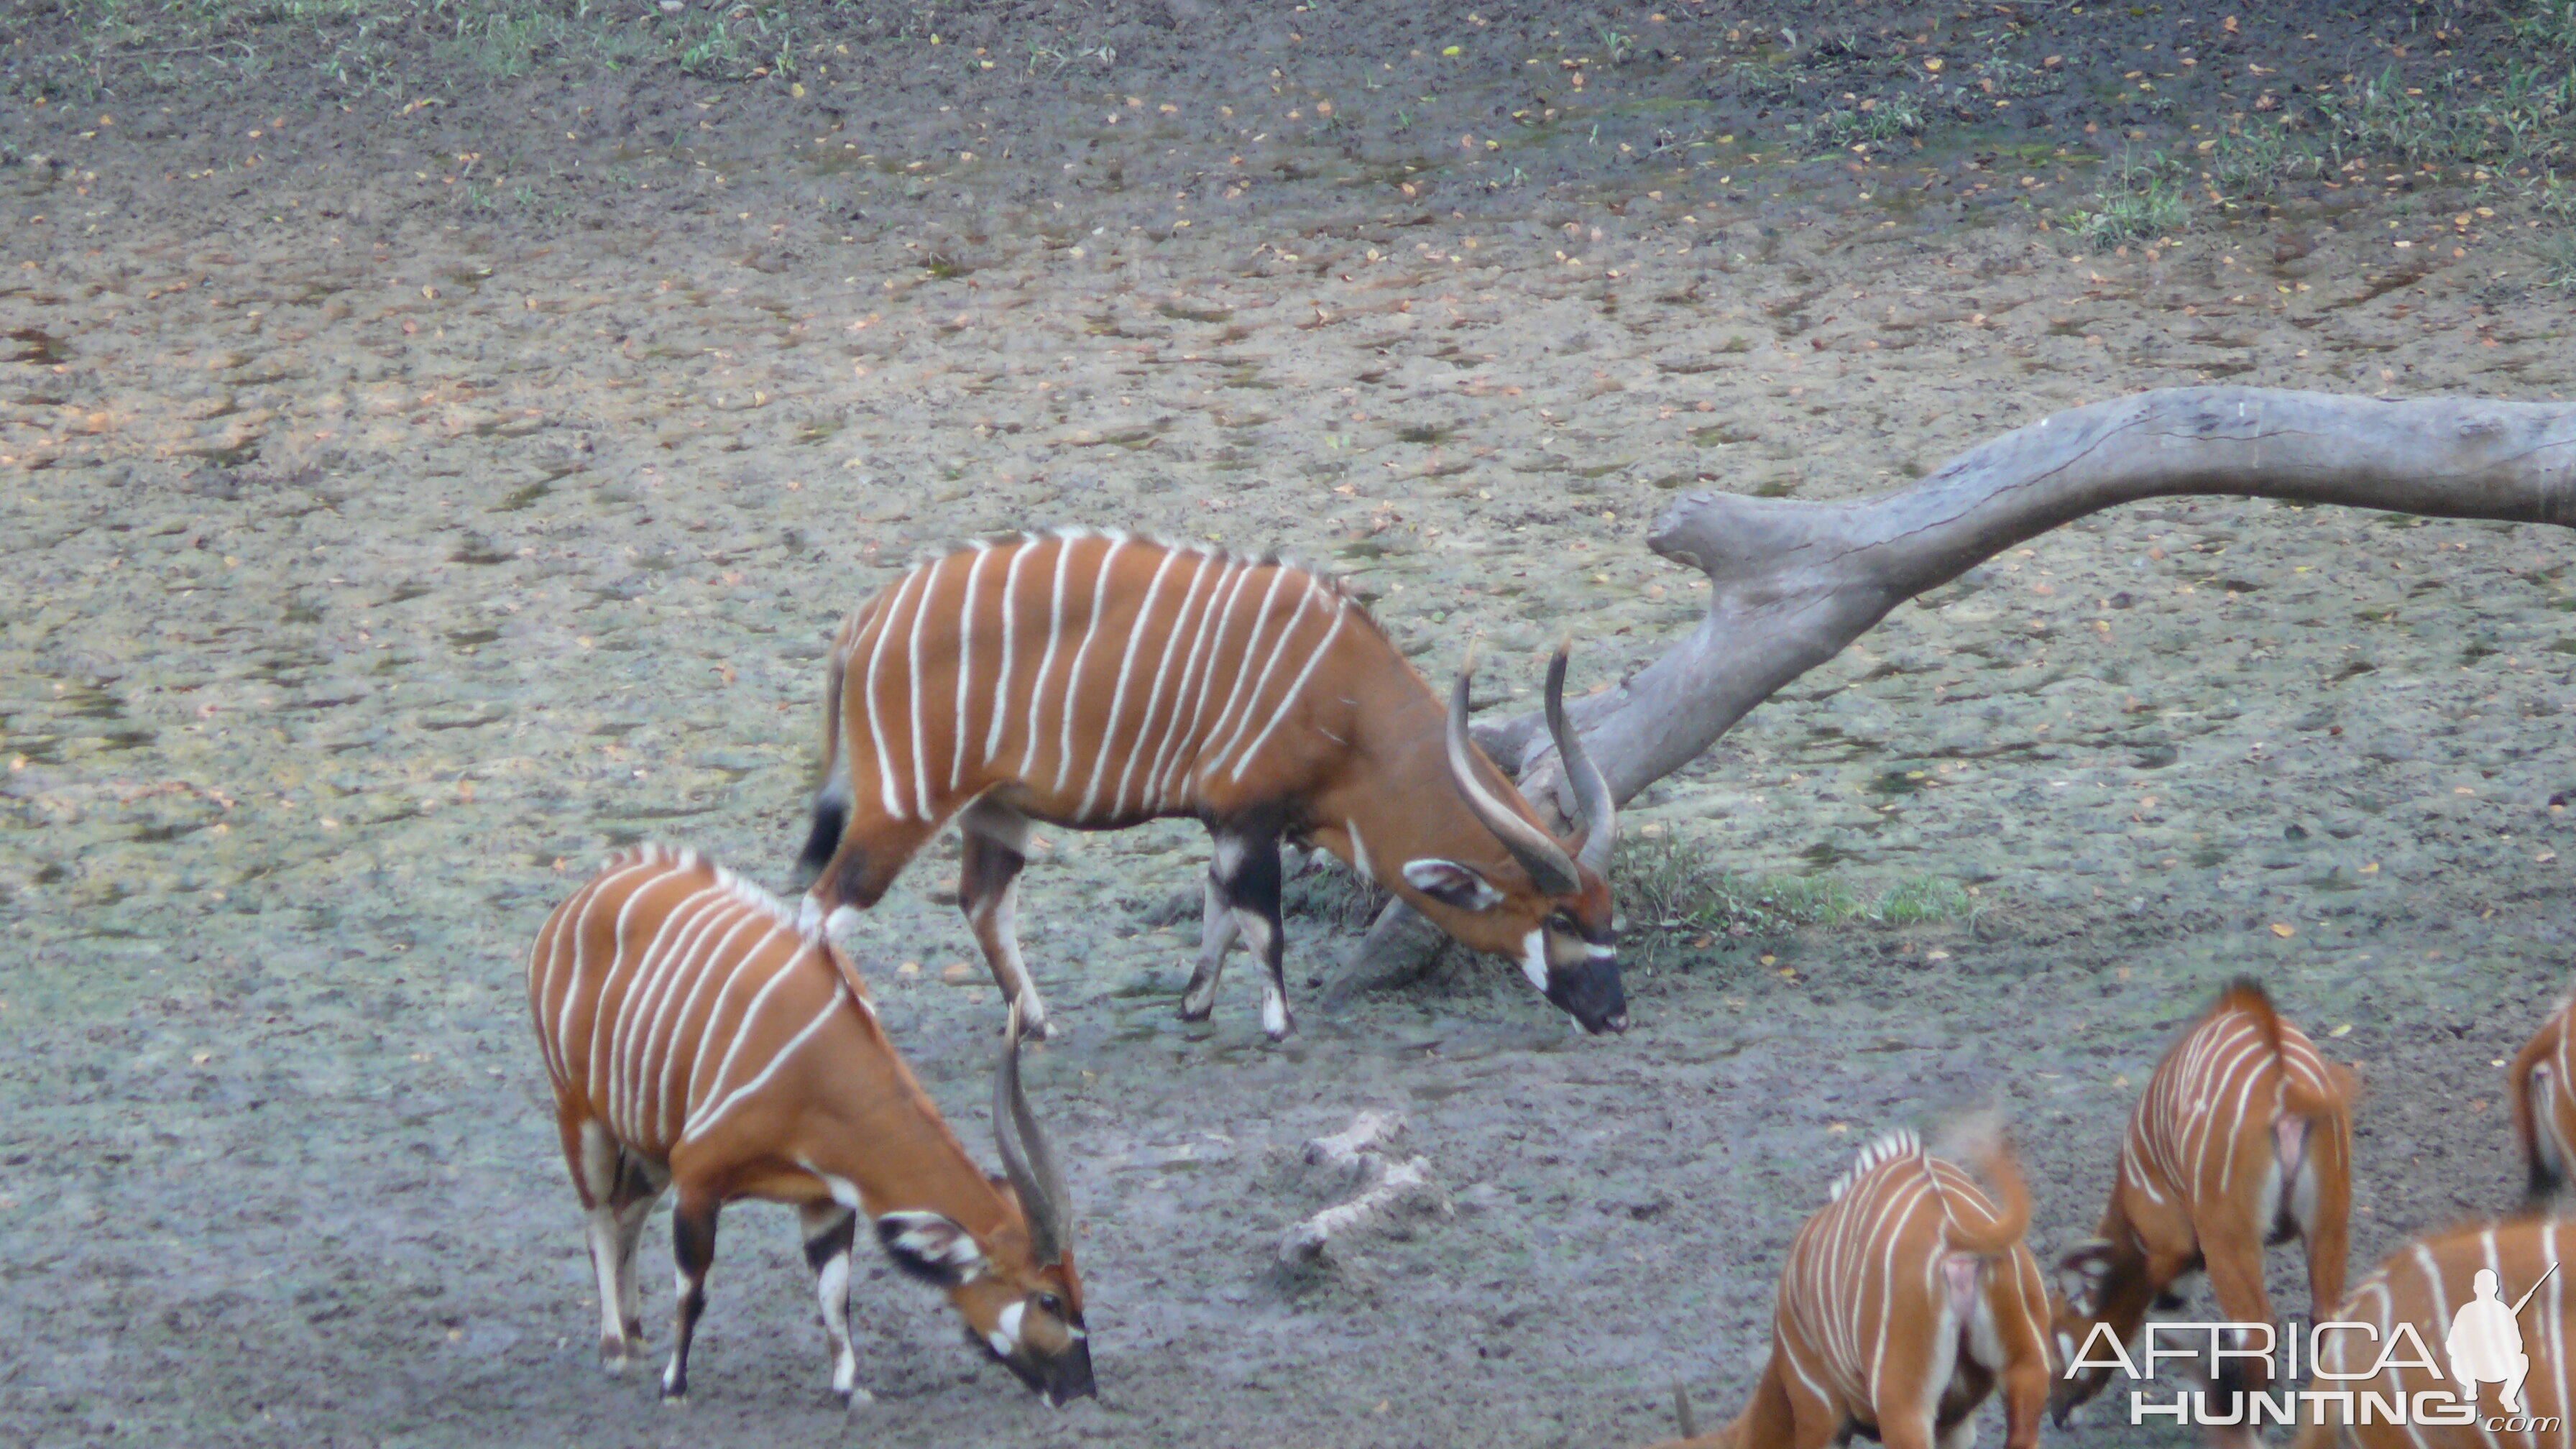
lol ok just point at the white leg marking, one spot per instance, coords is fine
(1217, 933)
(1258, 939)
(602, 1231)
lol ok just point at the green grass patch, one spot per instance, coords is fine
(2142, 199)
(1876, 121)
(1673, 895)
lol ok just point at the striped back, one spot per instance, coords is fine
(668, 991)
(2203, 1126)
(1863, 1288)
(1114, 678)
(2424, 1286)
(2544, 1104)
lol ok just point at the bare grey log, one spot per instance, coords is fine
(1792, 583)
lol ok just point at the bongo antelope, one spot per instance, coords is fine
(2424, 1286)
(2544, 1105)
(2243, 1138)
(699, 1037)
(1096, 681)
(1905, 1302)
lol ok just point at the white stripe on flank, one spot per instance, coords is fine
(663, 960)
(746, 1028)
(672, 1059)
(1147, 741)
(1055, 636)
(701, 1059)
(1296, 688)
(1243, 665)
(1210, 650)
(913, 684)
(667, 961)
(717, 1113)
(592, 1059)
(1261, 684)
(664, 1027)
(573, 993)
(1073, 673)
(1010, 638)
(876, 723)
(965, 666)
(1110, 741)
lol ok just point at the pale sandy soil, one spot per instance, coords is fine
(378, 558)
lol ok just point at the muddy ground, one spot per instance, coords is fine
(413, 491)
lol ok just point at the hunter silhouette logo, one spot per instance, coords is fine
(2353, 1367)
(2485, 1343)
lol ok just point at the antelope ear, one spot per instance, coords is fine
(930, 1247)
(1452, 884)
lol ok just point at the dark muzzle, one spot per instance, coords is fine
(1066, 1376)
(1590, 993)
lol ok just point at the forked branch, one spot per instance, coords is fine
(1792, 583)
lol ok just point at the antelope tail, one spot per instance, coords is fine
(1981, 1145)
(832, 797)
(2299, 1098)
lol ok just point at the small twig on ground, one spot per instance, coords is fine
(1359, 1152)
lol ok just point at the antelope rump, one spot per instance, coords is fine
(2242, 1138)
(1095, 681)
(1906, 1301)
(699, 1035)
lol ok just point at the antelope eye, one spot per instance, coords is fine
(1049, 1303)
(1564, 921)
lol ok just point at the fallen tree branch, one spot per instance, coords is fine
(1359, 1154)
(1793, 583)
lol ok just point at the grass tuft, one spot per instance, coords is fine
(1671, 895)
(2146, 198)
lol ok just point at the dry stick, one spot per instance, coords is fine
(1792, 583)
